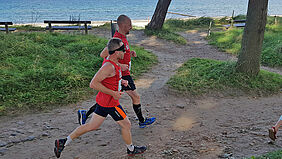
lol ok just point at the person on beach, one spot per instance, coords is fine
(108, 82)
(273, 131)
(124, 25)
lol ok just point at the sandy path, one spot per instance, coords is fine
(186, 127)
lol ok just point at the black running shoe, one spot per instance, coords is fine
(137, 150)
(59, 146)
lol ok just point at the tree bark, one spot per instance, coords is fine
(159, 15)
(250, 54)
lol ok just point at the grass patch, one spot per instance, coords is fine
(198, 76)
(230, 41)
(167, 35)
(108, 26)
(171, 26)
(43, 70)
(104, 26)
(270, 155)
(182, 25)
(28, 28)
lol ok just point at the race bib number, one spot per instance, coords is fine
(119, 82)
(129, 67)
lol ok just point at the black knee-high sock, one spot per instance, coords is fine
(138, 112)
(90, 111)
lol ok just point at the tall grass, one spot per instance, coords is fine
(198, 76)
(43, 70)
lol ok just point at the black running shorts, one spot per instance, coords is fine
(131, 85)
(117, 113)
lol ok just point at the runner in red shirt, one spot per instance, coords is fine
(124, 24)
(108, 82)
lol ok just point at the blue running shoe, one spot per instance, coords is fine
(81, 116)
(148, 121)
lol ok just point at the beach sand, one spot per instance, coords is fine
(137, 23)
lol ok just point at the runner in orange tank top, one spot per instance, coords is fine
(124, 24)
(107, 81)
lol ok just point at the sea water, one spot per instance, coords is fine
(36, 11)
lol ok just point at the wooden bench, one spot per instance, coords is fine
(236, 23)
(7, 29)
(114, 27)
(86, 27)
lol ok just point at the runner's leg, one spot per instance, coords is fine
(278, 123)
(125, 130)
(95, 122)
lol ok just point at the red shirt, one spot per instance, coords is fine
(127, 58)
(113, 83)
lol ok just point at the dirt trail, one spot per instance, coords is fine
(187, 127)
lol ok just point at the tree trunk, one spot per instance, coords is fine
(159, 15)
(250, 54)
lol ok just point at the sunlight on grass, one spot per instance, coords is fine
(198, 76)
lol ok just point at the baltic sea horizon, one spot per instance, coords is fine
(36, 11)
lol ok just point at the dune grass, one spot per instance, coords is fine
(198, 76)
(44, 70)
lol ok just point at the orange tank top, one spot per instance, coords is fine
(113, 83)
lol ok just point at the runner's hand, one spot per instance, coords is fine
(117, 95)
(133, 53)
(124, 82)
(124, 67)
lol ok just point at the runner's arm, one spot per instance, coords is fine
(104, 53)
(107, 70)
(124, 82)
(133, 53)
